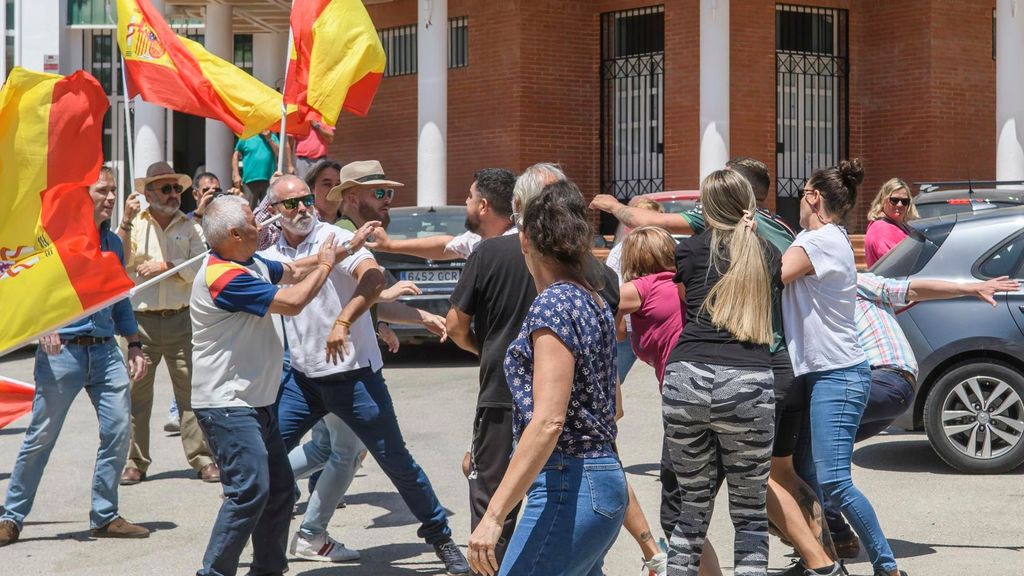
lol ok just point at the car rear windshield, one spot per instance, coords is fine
(912, 254)
(957, 205)
(678, 206)
(425, 224)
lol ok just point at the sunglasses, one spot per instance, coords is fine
(293, 203)
(899, 201)
(806, 191)
(384, 193)
(214, 189)
(168, 189)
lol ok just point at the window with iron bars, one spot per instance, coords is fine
(400, 47)
(243, 52)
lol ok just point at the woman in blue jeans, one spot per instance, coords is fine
(561, 371)
(818, 307)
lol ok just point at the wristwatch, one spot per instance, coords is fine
(135, 345)
(347, 247)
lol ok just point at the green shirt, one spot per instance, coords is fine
(258, 160)
(774, 230)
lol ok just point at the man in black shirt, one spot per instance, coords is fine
(494, 293)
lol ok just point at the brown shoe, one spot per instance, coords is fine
(849, 548)
(8, 532)
(132, 476)
(209, 473)
(120, 528)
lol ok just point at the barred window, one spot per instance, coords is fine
(243, 52)
(400, 47)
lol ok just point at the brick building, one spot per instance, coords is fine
(611, 90)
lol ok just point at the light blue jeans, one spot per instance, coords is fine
(335, 449)
(838, 399)
(573, 513)
(624, 356)
(101, 371)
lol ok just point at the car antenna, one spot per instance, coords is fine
(970, 182)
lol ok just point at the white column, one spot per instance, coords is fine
(1009, 87)
(432, 99)
(219, 40)
(714, 85)
(269, 56)
(38, 33)
(150, 129)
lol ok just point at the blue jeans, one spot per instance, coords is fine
(335, 449)
(100, 370)
(258, 481)
(624, 356)
(890, 396)
(838, 399)
(573, 513)
(361, 400)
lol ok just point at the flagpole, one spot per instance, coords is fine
(283, 138)
(130, 134)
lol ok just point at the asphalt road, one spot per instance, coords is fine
(939, 522)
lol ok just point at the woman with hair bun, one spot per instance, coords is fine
(718, 402)
(561, 372)
(819, 303)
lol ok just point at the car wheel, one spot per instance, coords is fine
(974, 417)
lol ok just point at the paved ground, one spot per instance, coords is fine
(939, 522)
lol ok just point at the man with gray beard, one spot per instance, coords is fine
(155, 240)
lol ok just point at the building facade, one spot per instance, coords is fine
(630, 96)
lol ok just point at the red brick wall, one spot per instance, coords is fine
(921, 91)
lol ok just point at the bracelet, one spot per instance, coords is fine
(135, 345)
(347, 247)
(126, 227)
(343, 322)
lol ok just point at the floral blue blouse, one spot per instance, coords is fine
(588, 330)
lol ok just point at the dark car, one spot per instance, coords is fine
(436, 279)
(971, 356)
(941, 198)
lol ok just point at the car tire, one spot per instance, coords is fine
(974, 417)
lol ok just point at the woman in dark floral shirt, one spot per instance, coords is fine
(561, 371)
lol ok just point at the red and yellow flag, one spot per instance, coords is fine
(177, 73)
(51, 268)
(336, 62)
(15, 399)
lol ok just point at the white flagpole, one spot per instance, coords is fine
(130, 134)
(283, 139)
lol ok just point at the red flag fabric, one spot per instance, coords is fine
(15, 399)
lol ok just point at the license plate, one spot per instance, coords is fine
(430, 276)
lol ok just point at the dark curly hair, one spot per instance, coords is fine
(557, 226)
(838, 185)
(495, 185)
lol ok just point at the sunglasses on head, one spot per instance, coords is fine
(168, 189)
(899, 201)
(293, 203)
(384, 193)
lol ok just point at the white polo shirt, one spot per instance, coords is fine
(307, 332)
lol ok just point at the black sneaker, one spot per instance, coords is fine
(880, 573)
(454, 562)
(837, 570)
(796, 568)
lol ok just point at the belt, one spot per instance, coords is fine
(86, 340)
(910, 378)
(162, 313)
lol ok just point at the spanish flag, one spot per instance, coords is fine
(15, 399)
(177, 73)
(51, 269)
(336, 62)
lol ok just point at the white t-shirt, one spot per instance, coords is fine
(614, 261)
(818, 310)
(236, 346)
(307, 332)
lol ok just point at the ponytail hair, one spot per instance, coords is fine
(741, 301)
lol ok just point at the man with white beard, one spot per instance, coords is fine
(336, 365)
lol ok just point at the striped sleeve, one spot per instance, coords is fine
(234, 289)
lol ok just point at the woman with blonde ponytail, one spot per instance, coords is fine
(718, 402)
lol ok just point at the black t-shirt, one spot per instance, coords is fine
(496, 290)
(700, 340)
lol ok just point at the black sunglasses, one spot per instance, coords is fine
(293, 203)
(168, 189)
(899, 201)
(214, 189)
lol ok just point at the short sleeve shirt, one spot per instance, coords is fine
(236, 346)
(258, 160)
(588, 330)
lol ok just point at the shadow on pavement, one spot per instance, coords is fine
(905, 453)
(85, 536)
(11, 431)
(397, 512)
(188, 474)
(651, 470)
(383, 559)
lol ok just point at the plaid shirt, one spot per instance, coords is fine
(878, 331)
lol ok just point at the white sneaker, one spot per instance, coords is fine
(657, 565)
(322, 548)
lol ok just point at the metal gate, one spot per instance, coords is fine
(812, 97)
(632, 93)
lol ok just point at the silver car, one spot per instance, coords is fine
(971, 357)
